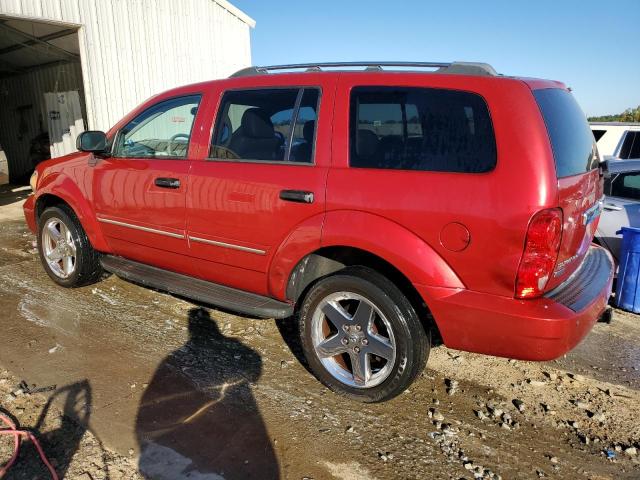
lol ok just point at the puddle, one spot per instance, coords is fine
(50, 315)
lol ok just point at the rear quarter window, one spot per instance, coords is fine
(571, 138)
(598, 134)
(422, 129)
(626, 185)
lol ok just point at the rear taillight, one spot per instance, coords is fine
(540, 253)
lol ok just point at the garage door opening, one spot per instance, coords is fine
(42, 101)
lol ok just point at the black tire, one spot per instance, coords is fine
(412, 342)
(87, 268)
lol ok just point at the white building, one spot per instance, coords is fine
(113, 53)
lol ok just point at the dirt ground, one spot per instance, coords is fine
(125, 382)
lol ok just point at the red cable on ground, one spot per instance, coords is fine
(17, 435)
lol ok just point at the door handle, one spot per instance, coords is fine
(167, 182)
(610, 206)
(299, 196)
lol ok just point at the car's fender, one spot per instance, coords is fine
(374, 234)
(303, 240)
(59, 184)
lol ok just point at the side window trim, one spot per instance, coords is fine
(628, 139)
(633, 149)
(618, 149)
(301, 89)
(292, 127)
(116, 136)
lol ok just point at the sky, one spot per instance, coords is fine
(591, 45)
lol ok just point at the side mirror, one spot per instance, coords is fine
(92, 141)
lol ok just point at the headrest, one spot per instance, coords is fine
(308, 129)
(256, 124)
(366, 144)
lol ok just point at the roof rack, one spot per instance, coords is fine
(460, 68)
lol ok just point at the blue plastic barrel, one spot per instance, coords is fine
(628, 287)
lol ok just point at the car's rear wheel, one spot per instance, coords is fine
(65, 251)
(361, 336)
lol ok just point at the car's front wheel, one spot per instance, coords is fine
(65, 251)
(361, 336)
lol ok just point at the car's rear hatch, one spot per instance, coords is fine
(580, 185)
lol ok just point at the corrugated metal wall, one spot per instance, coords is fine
(133, 49)
(23, 113)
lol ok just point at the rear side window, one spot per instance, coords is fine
(626, 185)
(571, 138)
(267, 125)
(420, 129)
(630, 146)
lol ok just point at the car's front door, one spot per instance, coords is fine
(264, 179)
(139, 191)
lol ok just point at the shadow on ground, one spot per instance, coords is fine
(198, 417)
(60, 444)
(13, 193)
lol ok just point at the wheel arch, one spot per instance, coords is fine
(329, 260)
(62, 191)
(360, 231)
(345, 238)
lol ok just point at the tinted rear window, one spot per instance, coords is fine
(571, 137)
(420, 129)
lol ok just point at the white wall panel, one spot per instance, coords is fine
(132, 49)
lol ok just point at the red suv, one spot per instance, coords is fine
(377, 207)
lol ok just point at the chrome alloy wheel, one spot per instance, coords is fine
(58, 248)
(353, 340)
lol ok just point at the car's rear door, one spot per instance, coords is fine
(140, 191)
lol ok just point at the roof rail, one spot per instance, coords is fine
(460, 68)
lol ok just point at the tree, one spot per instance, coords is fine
(629, 115)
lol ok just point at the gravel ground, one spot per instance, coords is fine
(150, 383)
(73, 451)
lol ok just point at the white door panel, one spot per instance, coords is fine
(617, 213)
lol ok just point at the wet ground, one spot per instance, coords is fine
(150, 383)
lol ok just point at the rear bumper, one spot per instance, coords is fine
(29, 209)
(539, 329)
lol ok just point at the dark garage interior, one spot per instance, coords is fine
(36, 58)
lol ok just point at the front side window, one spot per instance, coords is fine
(420, 129)
(161, 131)
(266, 125)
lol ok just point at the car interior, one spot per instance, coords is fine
(163, 130)
(264, 129)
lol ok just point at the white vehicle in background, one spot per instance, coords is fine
(621, 204)
(617, 140)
